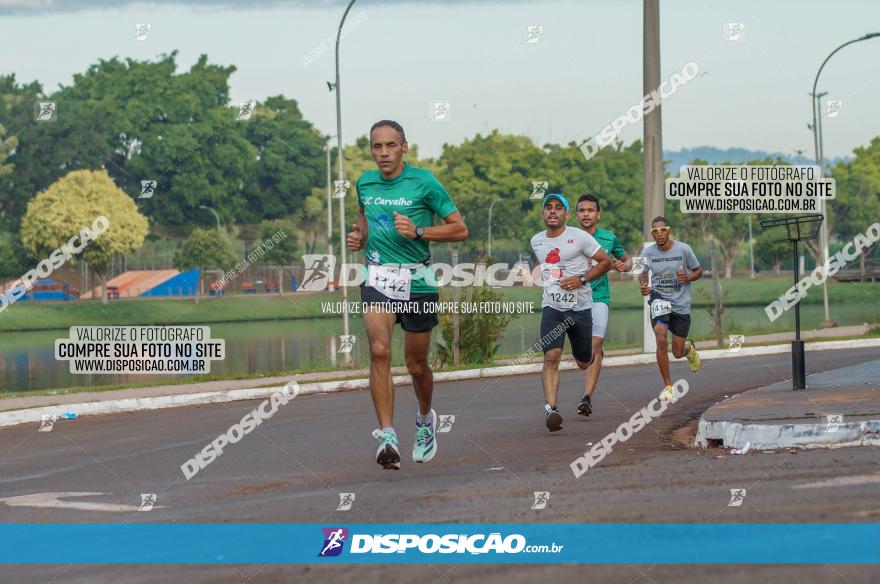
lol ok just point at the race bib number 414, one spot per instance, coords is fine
(659, 307)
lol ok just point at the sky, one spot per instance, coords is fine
(400, 58)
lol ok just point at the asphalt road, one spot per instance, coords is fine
(496, 455)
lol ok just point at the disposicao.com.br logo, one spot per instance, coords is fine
(430, 543)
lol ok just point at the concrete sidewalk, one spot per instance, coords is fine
(840, 407)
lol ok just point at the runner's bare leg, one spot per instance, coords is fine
(592, 377)
(660, 333)
(379, 326)
(416, 351)
(550, 375)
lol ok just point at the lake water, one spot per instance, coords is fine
(28, 359)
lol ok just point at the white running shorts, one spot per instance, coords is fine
(600, 319)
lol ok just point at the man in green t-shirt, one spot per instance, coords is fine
(395, 223)
(588, 215)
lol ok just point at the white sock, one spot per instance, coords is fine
(389, 430)
(427, 419)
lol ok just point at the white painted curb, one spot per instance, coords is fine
(33, 415)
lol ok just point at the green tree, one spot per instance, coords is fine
(768, 254)
(290, 160)
(705, 227)
(280, 241)
(47, 151)
(75, 202)
(277, 245)
(615, 175)
(857, 204)
(485, 168)
(7, 146)
(13, 257)
(730, 231)
(311, 219)
(204, 249)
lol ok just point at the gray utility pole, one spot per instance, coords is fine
(653, 141)
(329, 203)
(814, 100)
(346, 360)
(751, 250)
(489, 251)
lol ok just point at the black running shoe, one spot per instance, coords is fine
(585, 408)
(553, 420)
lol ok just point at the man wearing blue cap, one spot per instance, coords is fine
(563, 252)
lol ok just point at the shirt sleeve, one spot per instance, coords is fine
(690, 258)
(438, 199)
(617, 249)
(591, 246)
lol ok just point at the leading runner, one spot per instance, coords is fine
(395, 223)
(563, 252)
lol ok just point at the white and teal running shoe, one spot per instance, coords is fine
(425, 446)
(388, 454)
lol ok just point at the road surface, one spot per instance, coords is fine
(497, 453)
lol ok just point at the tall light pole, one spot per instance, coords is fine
(489, 250)
(823, 236)
(216, 216)
(751, 249)
(346, 360)
(653, 142)
(329, 201)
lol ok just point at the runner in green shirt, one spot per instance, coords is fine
(588, 215)
(395, 223)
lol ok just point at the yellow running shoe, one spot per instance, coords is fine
(693, 357)
(668, 394)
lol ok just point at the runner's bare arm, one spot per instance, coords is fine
(645, 283)
(453, 228)
(623, 263)
(696, 274)
(602, 265)
(357, 238)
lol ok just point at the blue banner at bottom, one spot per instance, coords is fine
(432, 543)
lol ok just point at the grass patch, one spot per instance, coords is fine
(31, 316)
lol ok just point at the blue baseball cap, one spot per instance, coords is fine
(558, 197)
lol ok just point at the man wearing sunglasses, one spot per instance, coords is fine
(672, 266)
(563, 253)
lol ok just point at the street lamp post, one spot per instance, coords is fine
(329, 201)
(819, 162)
(346, 360)
(489, 250)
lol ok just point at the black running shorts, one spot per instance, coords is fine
(578, 324)
(679, 324)
(416, 315)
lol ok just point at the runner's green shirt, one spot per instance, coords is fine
(417, 194)
(611, 245)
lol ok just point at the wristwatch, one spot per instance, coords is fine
(584, 280)
(420, 232)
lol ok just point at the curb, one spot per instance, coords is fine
(768, 437)
(33, 415)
